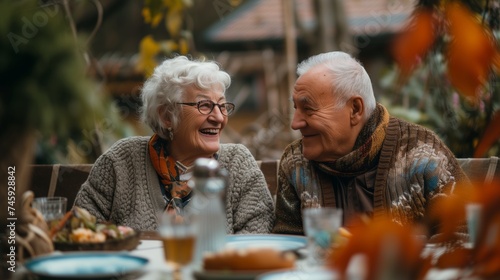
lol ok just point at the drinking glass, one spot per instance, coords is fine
(321, 226)
(178, 235)
(473, 216)
(51, 208)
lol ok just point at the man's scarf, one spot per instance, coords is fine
(366, 148)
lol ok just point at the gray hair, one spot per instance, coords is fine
(348, 77)
(168, 84)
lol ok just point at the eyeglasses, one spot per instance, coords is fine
(206, 107)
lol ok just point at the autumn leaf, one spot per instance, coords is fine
(415, 41)
(457, 257)
(490, 136)
(470, 53)
(489, 269)
(173, 20)
(496, 62)
(183, 46)
(153, 20)
(390, 249)
(148, 49)
(152, 12)
(451, 205)
(487, 252)
(485, 255)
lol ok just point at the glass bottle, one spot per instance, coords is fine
(207, 207)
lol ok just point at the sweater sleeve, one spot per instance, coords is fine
(423, 172)
(96, 193)
(250, 199)
(445, 187)
(288, 207)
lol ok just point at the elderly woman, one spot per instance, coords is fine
(140, 177)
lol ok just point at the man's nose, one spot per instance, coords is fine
(297, 121)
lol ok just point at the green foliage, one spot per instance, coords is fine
(44, 86)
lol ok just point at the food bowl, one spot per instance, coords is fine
(126, 244)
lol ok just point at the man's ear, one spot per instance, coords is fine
(357, 110)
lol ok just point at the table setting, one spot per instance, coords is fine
(149, 255)
(147, 261)
(81, 248)
(244, 266)
(369, 249)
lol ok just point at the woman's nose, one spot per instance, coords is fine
(216, 114)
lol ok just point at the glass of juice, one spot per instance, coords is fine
(178, 235)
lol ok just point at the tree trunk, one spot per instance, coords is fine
(332, 32)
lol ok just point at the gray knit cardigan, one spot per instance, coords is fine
(123, 188)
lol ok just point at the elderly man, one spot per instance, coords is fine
(353, 155)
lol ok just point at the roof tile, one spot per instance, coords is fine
(263, 19)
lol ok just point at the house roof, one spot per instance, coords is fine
(262, 20)
(372, 17)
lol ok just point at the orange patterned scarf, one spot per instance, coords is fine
(172, 174)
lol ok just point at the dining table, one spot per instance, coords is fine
(150, 249)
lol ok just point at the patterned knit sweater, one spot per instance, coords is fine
(123, 188)
(413, 169)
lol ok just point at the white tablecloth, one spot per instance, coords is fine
(152, 250)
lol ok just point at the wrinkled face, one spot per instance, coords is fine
(328, 133)
(198, 135)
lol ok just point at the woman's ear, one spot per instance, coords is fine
(164, 116)
(357, 110)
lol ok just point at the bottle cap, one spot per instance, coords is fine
(205, 167)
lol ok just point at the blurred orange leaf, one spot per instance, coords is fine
(485, 255)
(452, 205)
(389, 248)
(458, 257)
(490, 136)
(487, 251)
(415, 40)
(470, 52)
(488, 255)
(496, 62)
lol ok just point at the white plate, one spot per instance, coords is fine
(299, 274)
(85, 265)
(276, 241)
